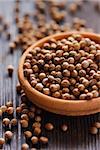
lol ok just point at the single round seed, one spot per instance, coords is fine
(94, 87)
(53, 87)
(25, 146)
(73, 8)
(97, 125)
(6, 121)
(34, 140)
(71, 67)
(65, 83)
(27, 65)
(82, 96)
(3, 108)
(24, 123)
(38, 118)
(37, 131)
(49, 126)
(33, 83)
(66, 73)
(10, 110)
(81, 87)
(8, 135)
(65, 90)
(18, 110)
(64, 127)
(36, 125)
(65, 65)
(76, 91)
(95, 93)
(24, 117)
(56, 94)
(10, 69)
(46, 91)
(85, 82)
(13, 122)
(2, 141)
(39, 86)
(28, 134)
(9, 104)
(42, 76)
(43, 140)
(74, 73)
(66, 96)
(89, 95)
(18, 88)
(71, 60)
(93, 130)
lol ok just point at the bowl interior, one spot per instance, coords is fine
(47, 99)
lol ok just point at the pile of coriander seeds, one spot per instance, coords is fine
(68, 68)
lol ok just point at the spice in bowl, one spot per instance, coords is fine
(67, 69)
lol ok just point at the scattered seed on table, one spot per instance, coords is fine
(8, 135)
(10, 70)
(28, 134)
(97, 125)
(25, 111)
(24, 117)
(3, 108)
(36, 125)
(9, 104)
(12, 47)
(73, 8)
(34, 139)
(37, 131)
(18, 88)
(49, 126)
(64, 127)
(43, 140)
(6, 121)
(25, 146)
(18, 110)
(13, 122)
(10, 110)
(93, 130)
(38, 118)
(24, 123)
(2, 141)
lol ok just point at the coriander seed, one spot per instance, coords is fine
(49, 126)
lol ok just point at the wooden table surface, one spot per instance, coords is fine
(77, 137)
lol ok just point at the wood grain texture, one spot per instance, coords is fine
(77, 137)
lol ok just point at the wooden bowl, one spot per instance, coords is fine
(58, 106)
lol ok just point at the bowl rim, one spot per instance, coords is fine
(27, 85)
